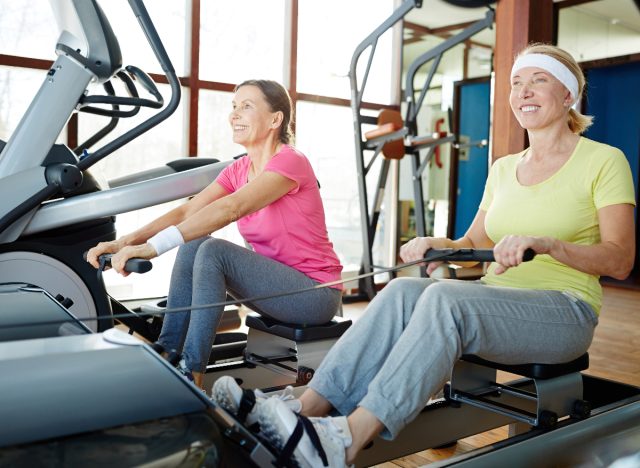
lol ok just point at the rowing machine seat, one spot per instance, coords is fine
(297, 332)
(550, 391)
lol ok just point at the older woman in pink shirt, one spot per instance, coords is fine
(273, 194)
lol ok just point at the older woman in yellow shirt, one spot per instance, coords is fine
(568, 198)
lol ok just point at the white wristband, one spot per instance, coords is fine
(167, 239)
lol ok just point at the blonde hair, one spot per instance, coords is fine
(577, 122)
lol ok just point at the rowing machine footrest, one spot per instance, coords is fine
(550, 391)
(534, 371)
(297, 332)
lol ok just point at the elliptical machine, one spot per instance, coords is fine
(52, 210)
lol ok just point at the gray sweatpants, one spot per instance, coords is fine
(402, 350)
(206, 268)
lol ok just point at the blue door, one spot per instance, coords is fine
(613, 98)
(473, 111)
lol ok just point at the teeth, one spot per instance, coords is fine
(239, 127)
(529, 108)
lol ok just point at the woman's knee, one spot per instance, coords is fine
(216, 256)
(185, 258)
(442, 301)
(187, 252)
(398, 298)
(402, 287)
(213, 247)
(452, 291)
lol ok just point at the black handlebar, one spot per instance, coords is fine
(139, 265)
(468, 255)
(133, 265)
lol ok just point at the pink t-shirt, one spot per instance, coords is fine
(291, 230)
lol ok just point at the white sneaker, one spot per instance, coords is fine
(184, 370)
(321, 442)
(228, 394)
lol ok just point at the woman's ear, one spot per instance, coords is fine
(568, 99)
(278, 117)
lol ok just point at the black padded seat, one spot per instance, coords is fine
(534, 371)
(297, 332)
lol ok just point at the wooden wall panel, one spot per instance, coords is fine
(518, 23)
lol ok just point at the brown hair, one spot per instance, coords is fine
(279, 100)
(577, 122)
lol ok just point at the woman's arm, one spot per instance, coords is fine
(210, 194)
(208, 212)
(260, 192)
(138, 237)
(475, 238)
(613, 256)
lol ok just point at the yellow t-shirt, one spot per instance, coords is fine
(564, 206)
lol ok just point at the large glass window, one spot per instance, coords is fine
(18, 87)
(242, 39)
(238, 40)
(28, 29)
(324, 133)
(172, 23)
(214, 131)
(328, 33)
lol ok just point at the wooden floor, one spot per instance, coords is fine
(614, 354)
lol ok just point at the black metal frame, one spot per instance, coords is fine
(369, 219)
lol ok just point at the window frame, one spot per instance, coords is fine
(193, 81)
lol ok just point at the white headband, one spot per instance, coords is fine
(553, 66)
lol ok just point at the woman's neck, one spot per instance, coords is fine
(260, 155)
(549, 142)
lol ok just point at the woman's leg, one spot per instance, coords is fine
(356, 358)
(314, 404)
(507, 325)
(220, 266)
(174, 325)
(449, 318)
(364, 426)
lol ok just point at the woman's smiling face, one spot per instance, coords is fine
(538, 99)
(251, 118)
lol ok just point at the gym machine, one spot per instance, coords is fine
(134, 398)
(394, 138)
(52, 209)
(87, 377)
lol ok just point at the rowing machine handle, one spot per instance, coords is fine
(133, 265)
(469, 255)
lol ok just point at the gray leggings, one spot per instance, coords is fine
(402, 350)
(206, 268)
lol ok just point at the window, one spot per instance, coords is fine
(215, 139)
(241, 40)
(18, 87)
(324, 56)
(238, 41)
(28, 29)
(159, 145)
(325, 135)
(171, 22)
